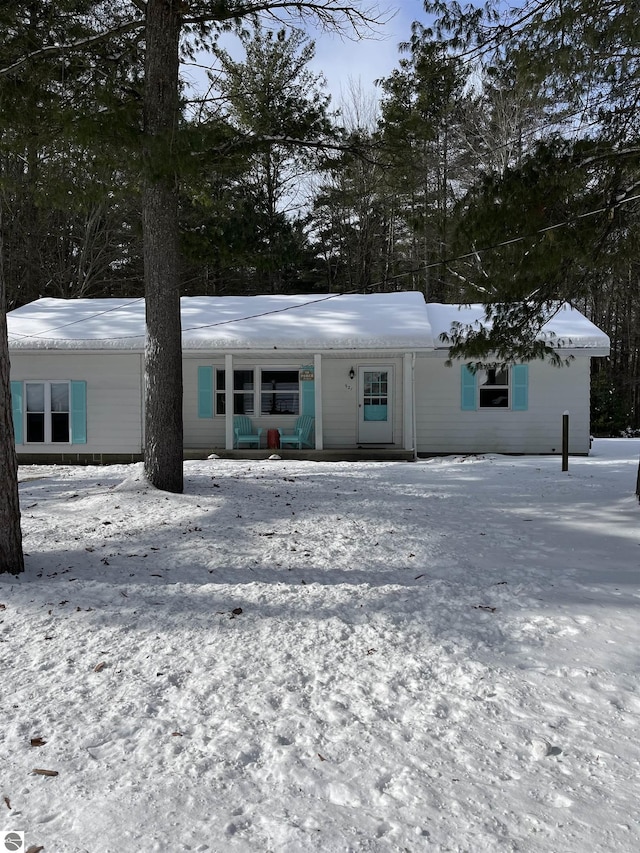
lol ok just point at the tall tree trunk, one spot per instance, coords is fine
(11, 558)
(163, 345)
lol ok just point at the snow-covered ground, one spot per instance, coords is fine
(302, 656)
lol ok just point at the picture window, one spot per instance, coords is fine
(279, 392)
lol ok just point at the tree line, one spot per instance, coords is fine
(499, 165)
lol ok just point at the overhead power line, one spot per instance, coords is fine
(421, 268)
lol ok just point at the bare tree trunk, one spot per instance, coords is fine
(11, 558)
(163, 345)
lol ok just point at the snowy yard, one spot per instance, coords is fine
(301, 656)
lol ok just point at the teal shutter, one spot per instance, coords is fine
(469, 397)
(205, 392)
(520, 382)
(16, 410)
(308, 395)
(78, 412)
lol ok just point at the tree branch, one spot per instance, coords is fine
(330, 13)
(314, 144)
(81, 44)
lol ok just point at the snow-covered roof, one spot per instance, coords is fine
(387, 321)
(376, 321)
(568, 328)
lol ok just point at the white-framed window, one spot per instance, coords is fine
(493, 388)
(243, 392)
(267, 391)
(504, 388)
(47, 412)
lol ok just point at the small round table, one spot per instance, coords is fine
(273, 439)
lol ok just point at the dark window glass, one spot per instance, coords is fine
(280, 392)
(221, 407)
(494, 398)
(243, 392)
(35, 411)
(494, 388)
(59, 426)
(35, 426)
(243, 380)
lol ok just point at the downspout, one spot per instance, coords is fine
(409, 404)
(317, 390)
(413, 397)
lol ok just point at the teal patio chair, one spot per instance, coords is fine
(245, 433)
(302, 435)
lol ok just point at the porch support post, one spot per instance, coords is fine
(408, 407)
(228, 401)
(317, 390)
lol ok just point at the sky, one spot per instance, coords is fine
(326, 657)
(348, 63)
(345, 62)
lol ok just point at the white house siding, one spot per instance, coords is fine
(442, 426)
(114, 397)
(340, 398)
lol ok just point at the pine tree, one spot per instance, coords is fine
(106, 28)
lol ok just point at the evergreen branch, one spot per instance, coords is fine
(256, 140)
(80, 44)
(316, 144)
(612, 153)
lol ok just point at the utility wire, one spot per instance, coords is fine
(84, 320)
(421, 268)
(512, 241)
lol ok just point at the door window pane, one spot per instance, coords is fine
(375, 400)
(375, 412)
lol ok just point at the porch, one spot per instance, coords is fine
(360, 454)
